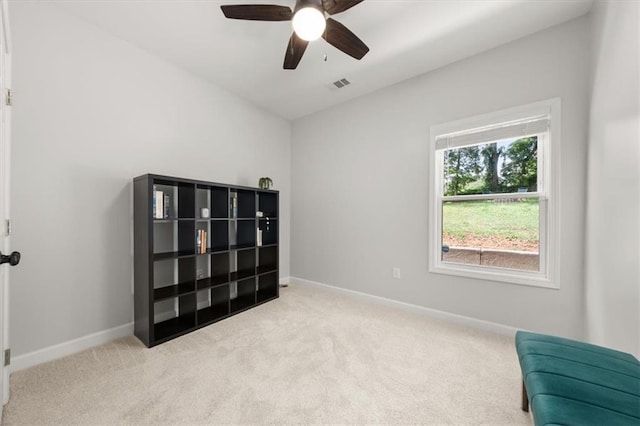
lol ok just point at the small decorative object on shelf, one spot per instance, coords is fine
(265, 183)
(204, 213)
(234, 207)
(259, 214)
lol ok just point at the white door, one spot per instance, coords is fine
(5, 152)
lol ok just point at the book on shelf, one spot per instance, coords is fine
(167, 204)
(158, 202)
(201, 241)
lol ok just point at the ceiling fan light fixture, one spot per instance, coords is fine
(309, 23)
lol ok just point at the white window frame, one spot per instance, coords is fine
(548, 193)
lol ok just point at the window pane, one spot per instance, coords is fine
(506, 166)
(500, 233)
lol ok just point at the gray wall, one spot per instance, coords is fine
(613, 208)
(360, 175)
(92, 112)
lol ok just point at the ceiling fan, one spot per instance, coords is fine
(309, 23)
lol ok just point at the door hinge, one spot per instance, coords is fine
(9, 97)
(8, 226)
(7, 357)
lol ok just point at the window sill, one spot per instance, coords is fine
(487, 273)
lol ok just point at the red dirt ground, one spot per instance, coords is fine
(500, 243)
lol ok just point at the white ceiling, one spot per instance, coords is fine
(406, 38)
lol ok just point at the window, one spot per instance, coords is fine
(492, 195)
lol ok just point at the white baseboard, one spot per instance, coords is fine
(285, 280)
(67, 348)
(446, 316)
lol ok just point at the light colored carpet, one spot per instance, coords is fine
(312, 356)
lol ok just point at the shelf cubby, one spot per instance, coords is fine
(268, 204)
(218, 272)
(216, 306)
(219, 235)
(173, 277)
(186, 200)
(174, 316)
(219, 202)
(202, 200)
(269, 228)
(246, 204)
(245, 233)
(220, 268)
(267, 287)
(169, 195)
(165, 234)
(186, 236)
(245, 265)
(174, 238)
(181, 197)
(203, 266)
(202, 226)
(178, 286)
(267, 259)
(245, 295)
(173, 327)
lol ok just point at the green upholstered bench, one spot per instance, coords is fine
(567, 382)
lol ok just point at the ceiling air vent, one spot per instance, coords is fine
(341, 83)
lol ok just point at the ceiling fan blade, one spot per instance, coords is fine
(295, 50)
(341, 38)
(336, 6)
(257, 12)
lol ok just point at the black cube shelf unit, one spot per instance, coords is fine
(180, 286)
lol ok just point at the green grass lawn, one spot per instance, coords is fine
(479, 219)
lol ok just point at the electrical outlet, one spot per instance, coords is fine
(396, 273)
